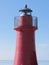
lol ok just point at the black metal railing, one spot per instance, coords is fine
(34, 21)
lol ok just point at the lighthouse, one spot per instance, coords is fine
(25, 26)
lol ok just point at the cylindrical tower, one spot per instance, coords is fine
(25, 53)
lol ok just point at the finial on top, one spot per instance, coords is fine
(26, 6)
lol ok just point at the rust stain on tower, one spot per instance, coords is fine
(25, 52)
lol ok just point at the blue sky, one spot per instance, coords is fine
(9, 9)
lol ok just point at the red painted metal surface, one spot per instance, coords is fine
(25, 53)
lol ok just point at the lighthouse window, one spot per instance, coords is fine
(28, 13)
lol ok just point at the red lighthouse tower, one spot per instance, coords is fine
(25, 53)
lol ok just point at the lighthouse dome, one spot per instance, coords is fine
(25, 11)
